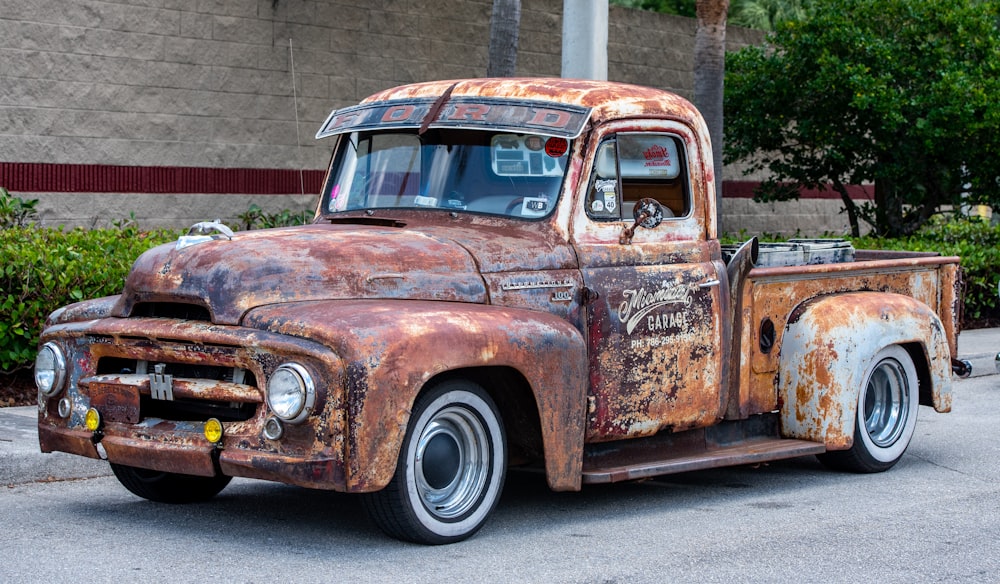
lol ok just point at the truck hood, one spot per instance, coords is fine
(228, 277)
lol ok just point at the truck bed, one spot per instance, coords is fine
(799, 252)
(770, 296)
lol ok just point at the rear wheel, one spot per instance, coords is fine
(168, 487)
(886, 415)
(450, 471)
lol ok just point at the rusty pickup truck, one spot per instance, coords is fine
(501, 273)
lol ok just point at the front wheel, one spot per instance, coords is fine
(886, 415)
(168, 487)
(450, 471)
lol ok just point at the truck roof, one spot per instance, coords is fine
(608, 100)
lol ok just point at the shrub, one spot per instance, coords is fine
(15, 211)
(976, 242)
(257, 218)
(42, 269)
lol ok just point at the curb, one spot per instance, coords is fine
(21, 461)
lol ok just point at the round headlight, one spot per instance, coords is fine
(50, 369)
(291, 392)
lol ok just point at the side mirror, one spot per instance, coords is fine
(648, 213)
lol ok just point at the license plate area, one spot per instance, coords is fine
(115, 402)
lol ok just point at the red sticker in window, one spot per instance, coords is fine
(556, 147)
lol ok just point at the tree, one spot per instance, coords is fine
(678, 7)
(895, 93)
(759, 14)
(709, 75)
(505, 26)
(765, 14)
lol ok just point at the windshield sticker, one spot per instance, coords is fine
(455, 200)
(648, 155)
(606, 191)
(610, 202)
(556, 147)
(481, 113)
(425, 201)
(534, 207)
(657, 155)
(597, 206)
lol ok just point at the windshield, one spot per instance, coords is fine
(494, 173)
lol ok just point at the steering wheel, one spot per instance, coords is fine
(514, 205)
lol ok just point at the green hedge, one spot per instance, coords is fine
(42, 269)
(977, 243)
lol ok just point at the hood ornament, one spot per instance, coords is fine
(202, 232)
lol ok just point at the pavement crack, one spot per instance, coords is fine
(954, 470)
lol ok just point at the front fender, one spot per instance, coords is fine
(81, 311)
(391, 349)
(827, 347)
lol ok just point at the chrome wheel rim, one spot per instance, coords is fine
(452, 462)
(887, 403)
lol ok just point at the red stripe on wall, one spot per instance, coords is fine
(38, 177)
(743, 189)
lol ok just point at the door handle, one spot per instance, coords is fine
(709, 284)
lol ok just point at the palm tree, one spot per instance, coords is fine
(765, 14)
(505, 25)
(709, 72)
(759, 14)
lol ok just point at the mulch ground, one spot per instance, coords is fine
(18, 389)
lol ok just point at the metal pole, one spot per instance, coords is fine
(585, 39)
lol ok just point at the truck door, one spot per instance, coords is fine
(655, 302)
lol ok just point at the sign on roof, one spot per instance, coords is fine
(480, 113)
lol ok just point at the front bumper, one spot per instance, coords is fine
(197, 457)
(143, 430)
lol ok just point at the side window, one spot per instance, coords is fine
(633, 166)
(603, 200)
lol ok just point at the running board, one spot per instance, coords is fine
(729, 443)
(753, 452)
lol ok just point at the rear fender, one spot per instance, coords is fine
(827, 347)
(391, 349)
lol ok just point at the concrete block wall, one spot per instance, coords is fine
(807, 217)
(209, 83)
